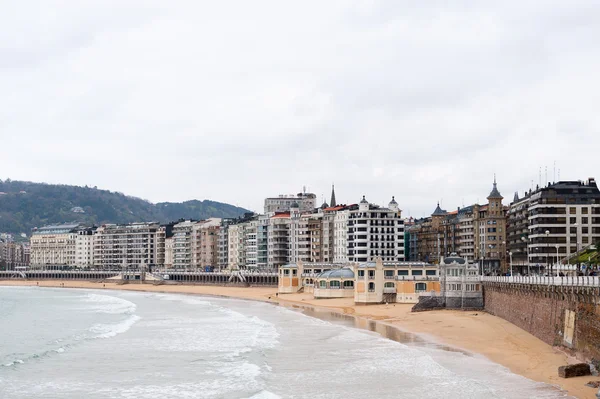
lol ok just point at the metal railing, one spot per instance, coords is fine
(571, 281)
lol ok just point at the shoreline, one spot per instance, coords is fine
(474, 332)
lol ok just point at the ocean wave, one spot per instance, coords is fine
(264, 395)
(109, 304)
(111, 330)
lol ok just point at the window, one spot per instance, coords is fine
(417, 272)
(348, 284)
(420, 287)
(584, 210)
(388, 273)
(286, 272)
(430, 272)
(389, 285)
(322, 284)
(361, 273)
(572, 210)
(584, 240)
(294, 272)
(402, 272)
(572, 220)
(334, 284)
(371, 274)
(584, 220)
(371, 287)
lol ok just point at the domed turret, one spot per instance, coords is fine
(393, 205)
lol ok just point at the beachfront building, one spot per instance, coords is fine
(375, 232)
(299, 236)
(54, 245)
(205, 235)
(340, 232)
(129, 246)
(334, 283)
(278, 240)
(84, 247)
(168, 252)
(390, 282)
(476, 232)
(461, 283)
(301, 277)
(548, 225)
(182, 244)
(13, 254)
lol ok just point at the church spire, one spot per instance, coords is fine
(332, 203)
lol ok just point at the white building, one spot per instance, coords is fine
(375, 232)
(54, 245)
(168, 252)
(233, 240)
(182, 244)
(299, 236)
(340, 235)
(84, 247)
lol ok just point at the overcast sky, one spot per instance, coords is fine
(238, 100)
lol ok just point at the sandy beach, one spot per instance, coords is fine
(476, 332)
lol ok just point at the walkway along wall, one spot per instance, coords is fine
(557, 314)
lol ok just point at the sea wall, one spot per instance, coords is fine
(558, 315)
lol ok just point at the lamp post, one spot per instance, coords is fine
(504, 250)
(489, 265)
(510, 254)
(557, 255)
(576, 225)
(547, 249)
(526, 254)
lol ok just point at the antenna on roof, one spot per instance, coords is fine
(558, 174)
(554, 175)
(546, 181)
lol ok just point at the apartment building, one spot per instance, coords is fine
(84, 247)
(305, 201)
(340, 233)
(476, 233)
(375, 232)
(299, 236)
(130, 246)
(553, 223)
(54, 245)
(278, 245)
(182, 244)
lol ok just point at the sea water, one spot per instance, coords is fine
(67, 343)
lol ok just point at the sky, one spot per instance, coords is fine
(236, 101)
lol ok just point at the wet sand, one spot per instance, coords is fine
(475, 332)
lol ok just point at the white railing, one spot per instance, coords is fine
(574, 281)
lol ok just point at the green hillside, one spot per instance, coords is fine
(25, 205)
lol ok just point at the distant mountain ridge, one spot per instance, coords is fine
(25, 205)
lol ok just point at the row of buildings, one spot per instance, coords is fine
(292, 229)
(13, 254)
(538, 229)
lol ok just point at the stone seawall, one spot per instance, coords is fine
(558, 315)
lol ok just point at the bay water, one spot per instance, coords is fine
(71, 343)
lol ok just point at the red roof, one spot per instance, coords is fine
(281, 215)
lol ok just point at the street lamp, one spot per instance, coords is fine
(547, 248)
(510, 254)
(576, 225)
(557, 255)
(526, 254)
(489, 264)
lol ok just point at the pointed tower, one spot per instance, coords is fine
(332, 203)
(495, 200)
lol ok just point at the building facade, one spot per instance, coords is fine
(54, 245)
(375, 232)
(549, 225)
(131, 246)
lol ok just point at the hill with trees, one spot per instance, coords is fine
(25, 205)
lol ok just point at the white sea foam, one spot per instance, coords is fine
(264, 395)
(110, 330)
(109, 304)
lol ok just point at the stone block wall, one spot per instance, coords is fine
(567, 316)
